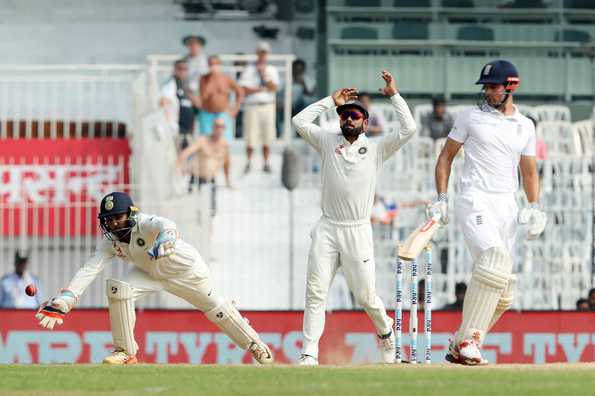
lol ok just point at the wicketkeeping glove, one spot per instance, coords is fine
(534, 218)
(165, 244)
(52, 312)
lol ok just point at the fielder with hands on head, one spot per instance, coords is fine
(497, 140)
(161, 261)
(343, 235)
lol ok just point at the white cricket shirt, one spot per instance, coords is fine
(142, 239)
(349, 171)
(493, 146)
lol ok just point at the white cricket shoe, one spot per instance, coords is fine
(466, 352)
(387, 347)
(261, 352)
(119, 357)
(307, 360)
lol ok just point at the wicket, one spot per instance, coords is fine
(413, 309)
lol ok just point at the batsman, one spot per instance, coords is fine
(343, 235)
(498, 140)
(161, 261)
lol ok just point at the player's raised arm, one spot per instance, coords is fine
(304, 120)
(392, 142)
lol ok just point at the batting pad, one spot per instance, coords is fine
(488, 282)
(231, 322)
(505, 301)
(121, 314)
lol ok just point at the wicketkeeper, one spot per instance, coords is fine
(162, 261)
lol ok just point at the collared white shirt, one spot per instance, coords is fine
(493, 146)
(12, 291)
(142, 239)
(349, 171)
(250, 78)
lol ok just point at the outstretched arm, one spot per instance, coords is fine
(304, 120)
(394, 141)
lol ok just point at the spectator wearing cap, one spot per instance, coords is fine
(12, 286)
(178, 103)
(439, 122)
(196, 60)
(260, 82)
(377, 124)
(215, 89)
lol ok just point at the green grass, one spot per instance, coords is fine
(403, 380)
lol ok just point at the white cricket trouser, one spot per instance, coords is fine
(349, 246)
(193, 285)
(487, 220)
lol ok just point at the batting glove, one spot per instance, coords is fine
(534, 218)
(165, 244)
(52, 312)
(440, 207)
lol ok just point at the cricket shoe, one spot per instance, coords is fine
(261, 352)
(387, 347)
(307, 360)
(466, 353)
(119, 356)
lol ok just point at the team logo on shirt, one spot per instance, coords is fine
(478, 220)
(140, 242)
(362, 150)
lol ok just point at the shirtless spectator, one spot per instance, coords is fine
(213, 154)
(215, 88)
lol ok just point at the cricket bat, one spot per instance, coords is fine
(419, 238)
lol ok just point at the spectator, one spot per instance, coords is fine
(592, 299)
(12, 286)
(178, 102)
(439, 122)
(302, 87)
(260, 82)
(213, 154)
(582, 304)
(421, 294)
(460, 290)
(196, 60)
(215, 88)
(239, 66)
(377, 124)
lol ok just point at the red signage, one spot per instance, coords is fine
(53, 187)
(188, 337)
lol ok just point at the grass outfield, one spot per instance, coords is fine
(211, 380)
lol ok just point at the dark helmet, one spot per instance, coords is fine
(500, 72)
(113, 204)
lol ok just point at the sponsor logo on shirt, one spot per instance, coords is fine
(362, 150)
(339, 148)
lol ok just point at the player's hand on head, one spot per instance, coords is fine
(165, 244)
(391, 85)
(535, 220)
(343, 95)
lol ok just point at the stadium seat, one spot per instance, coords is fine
(362, 3)
(551, 113)
(412, 3)
(420, 112)
(407, 30)
(558, 138)
(525, 110)
(583, 134)
(571, 35)
(359, 33)
(524, 4)
(478, 33)
(458, 3)
(583, 4)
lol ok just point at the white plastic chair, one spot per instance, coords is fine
(551, 113)
(583, 137)
(558, 138)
